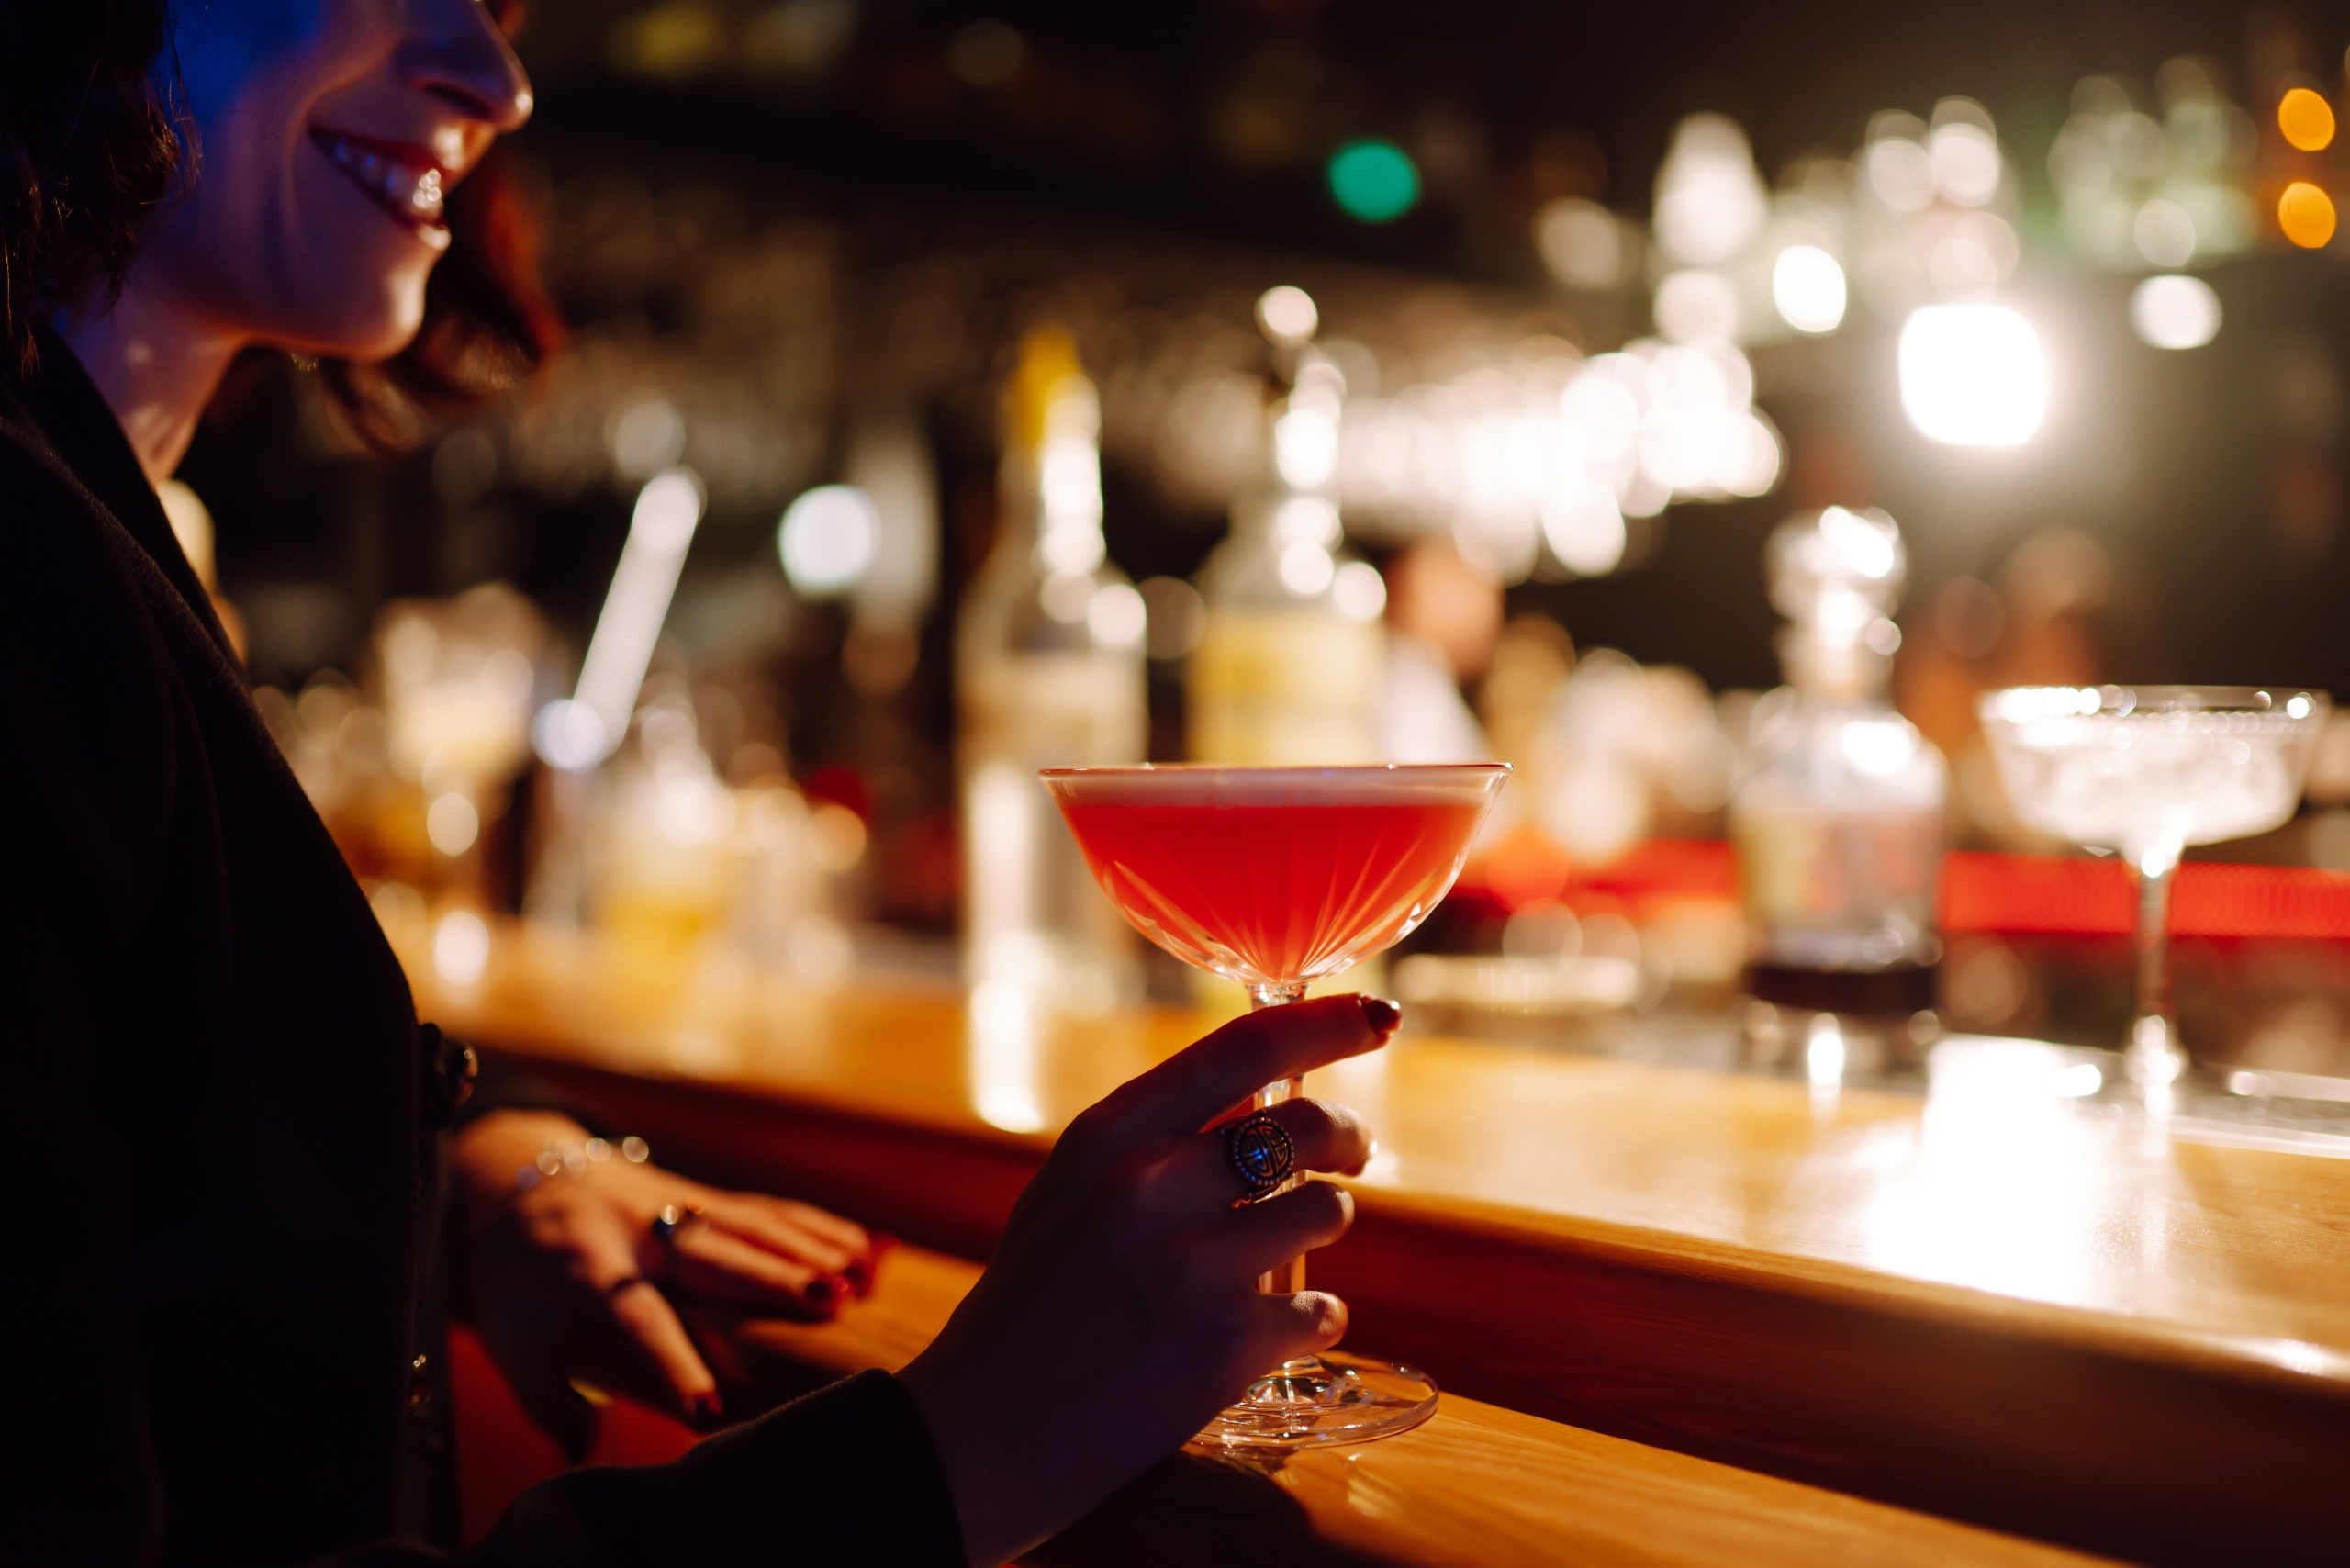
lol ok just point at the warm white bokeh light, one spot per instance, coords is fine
(1808, 289)
(1287, 314)
(1693, 304)
(461, 947)
(2173, 311)
(1116, 615)
(452, 823)
(828, 539)
(1972, 375)
(1965, 159)
(2164, 234)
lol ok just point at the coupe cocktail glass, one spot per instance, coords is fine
(1276, 876)
(2149, 770)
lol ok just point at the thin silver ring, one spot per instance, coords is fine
(1261, 1154)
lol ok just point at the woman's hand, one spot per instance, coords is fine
(566, 1272)
(1121, 1310)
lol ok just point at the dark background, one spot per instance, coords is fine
(2213, 477)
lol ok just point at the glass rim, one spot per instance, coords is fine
(1263, 770)
(2120, 700)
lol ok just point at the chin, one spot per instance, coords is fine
(367, 323)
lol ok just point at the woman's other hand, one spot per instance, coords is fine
(567, 1272)
(1120, 1309)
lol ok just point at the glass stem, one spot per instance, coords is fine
(2153, 1055)
(1290, 1278)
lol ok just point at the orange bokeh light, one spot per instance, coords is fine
(2306, 214)
(2306, 118)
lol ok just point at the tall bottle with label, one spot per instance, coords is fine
(1840, 818)
(1048, 673)
(1287, 668)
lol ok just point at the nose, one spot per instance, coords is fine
(456, 50)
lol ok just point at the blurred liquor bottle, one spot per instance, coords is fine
(1049, 673)
(1840, 818)
(1288, 666)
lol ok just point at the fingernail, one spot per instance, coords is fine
(706, 1409)
(1381, 1014)
(825, 1288)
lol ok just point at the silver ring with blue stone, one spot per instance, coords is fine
(1261, 1153)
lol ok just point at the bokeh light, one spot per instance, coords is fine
(1694, 304)
(2306, 118)
(451, 824)
(828, 539)
(461, 947)
(1972, 375)
(1287, 314)
(1808, 286)
(1709, 200)
(2164, 234)
(1374, 181)
(1358, 591)
(1116, 615)
(2306, 214)
(1582, 242)
(1966, 159)
(2173, 311)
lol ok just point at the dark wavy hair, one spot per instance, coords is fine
(95, 144)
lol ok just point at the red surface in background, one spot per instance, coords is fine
(500, 1455)
(2067, 894)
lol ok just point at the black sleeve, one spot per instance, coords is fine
(844, 1475)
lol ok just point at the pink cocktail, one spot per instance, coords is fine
(1277, 876)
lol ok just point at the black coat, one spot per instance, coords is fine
(224, 1122)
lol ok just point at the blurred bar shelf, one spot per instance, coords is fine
(2072, 895)
(2042, 1317)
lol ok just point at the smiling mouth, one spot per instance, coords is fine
(402, 181)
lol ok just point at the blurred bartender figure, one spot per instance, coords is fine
(1444, 616)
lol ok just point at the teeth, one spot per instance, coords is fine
(405, 189)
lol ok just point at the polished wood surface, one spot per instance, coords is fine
(1477, 1486)
(2017, 1312)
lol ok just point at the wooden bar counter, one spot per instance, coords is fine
(2046, 1319)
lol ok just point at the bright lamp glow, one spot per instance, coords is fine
(2174, 312)
(1972, 375)
(1808, 289)
(829, 537)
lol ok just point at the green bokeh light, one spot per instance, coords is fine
(1374, 181)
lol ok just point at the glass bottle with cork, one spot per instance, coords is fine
(1840, 820)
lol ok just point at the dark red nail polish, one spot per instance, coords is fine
(823, 1288)
(1381, 1014)
(706, 1409)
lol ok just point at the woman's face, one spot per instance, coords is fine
(327, 133)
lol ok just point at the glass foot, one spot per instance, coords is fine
(1321, 1400)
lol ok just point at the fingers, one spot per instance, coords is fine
(605, 1263)
(651, 1324)
(789, 1231)
(1259, 1238)
(1290, 1325)
(719, 1267)
(1182, 1093)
